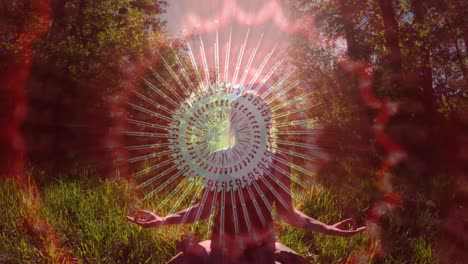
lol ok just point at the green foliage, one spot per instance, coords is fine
(93, 39)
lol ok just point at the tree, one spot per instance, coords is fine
(78, 64)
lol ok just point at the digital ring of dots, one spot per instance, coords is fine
(203, 118)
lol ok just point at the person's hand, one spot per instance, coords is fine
(345, 228)
(145, 219)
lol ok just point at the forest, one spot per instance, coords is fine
(370, 100)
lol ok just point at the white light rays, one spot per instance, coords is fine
(290, 102)
(273, 190)
(164, 185)
(151, 156)
(297, 144)
(149, 112)
(198, 184)
(295, 167)
(295, 111)
(153, 167)
(205, 63)
(153, 103)
(158, 119)
(146, 124)
(283, 92)
(202, 204)
(173, 193)
(249, 63)
(278, 84)
(286, 175)
(227, 58)
(239, 59)
(194, 64)
(216, 57)
(270, 73)
(212, 208)
(256, 205)
(157, 177)
(222, 218)
(160, 91)
(295, 123)
(262, 196)
(260, 69)
(234, 212)
(174, 75)
(146, 134)
(148, 146)
(179, 201)
(183, 70)
(244, 210)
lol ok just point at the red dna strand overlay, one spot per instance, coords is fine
(232, 11)
(395, 154)
(12, 140)
(306, 26)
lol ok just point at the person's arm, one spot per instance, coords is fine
(187, 216)
(296, 218)
(288, 214)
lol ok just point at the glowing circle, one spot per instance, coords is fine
(222, 134)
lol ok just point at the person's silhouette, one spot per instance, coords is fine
(243, 230)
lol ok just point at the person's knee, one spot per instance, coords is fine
(192, 252)
(285, 255)
(184, 258)
(289, 258)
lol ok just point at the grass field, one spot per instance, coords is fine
(81, 219)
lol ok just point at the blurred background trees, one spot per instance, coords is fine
(418, 53)
(80, 61)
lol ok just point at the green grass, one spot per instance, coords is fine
(15, 246)
(84, 218)
(88, 221)
(319, 248)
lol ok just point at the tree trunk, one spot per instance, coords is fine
(460, 57)
(392, 41)
(465, 37)
(424, 71)
(347, 14)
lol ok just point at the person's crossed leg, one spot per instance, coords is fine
(200, 253)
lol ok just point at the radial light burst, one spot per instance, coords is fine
(163, 167)
(216, 126)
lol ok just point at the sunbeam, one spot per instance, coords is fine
(173, 193)
(147, 124)
(149, 112)
(205, 63)
(249, 63)
(278, 84)
(153, 103)
(157, 177)
(163, 185)
(239, 58)
(160, 91)
(260, 69)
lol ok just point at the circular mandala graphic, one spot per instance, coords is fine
(222, 134)
(218, 133)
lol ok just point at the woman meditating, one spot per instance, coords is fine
(243, 230)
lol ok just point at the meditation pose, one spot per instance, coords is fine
(242, 205)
